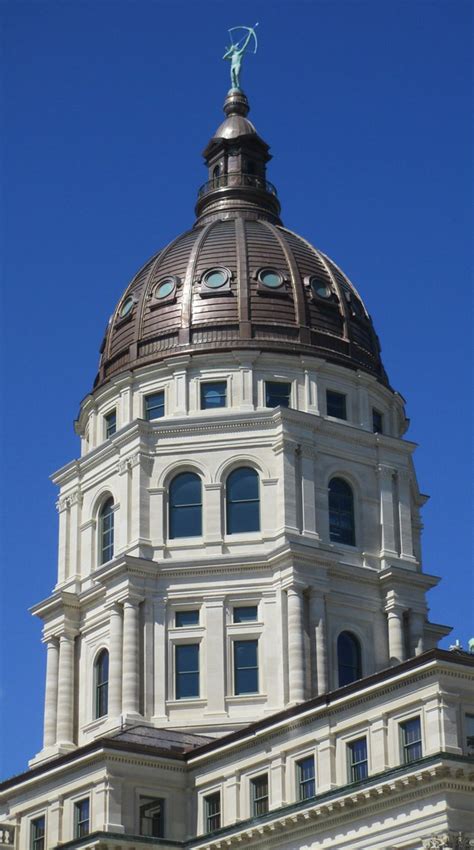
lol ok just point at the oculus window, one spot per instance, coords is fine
(245, 614)
(358, 764)
(305, 778)
(165, 288)
(186, 618)
(348, 659)
(37, 834)
(212, 811)
(187, 670)
(320, 288)
(242, 501)
(410, 732)
(341, 512)
(155, 406)
(152, 817)
(277, 394)
(215, 278)
(185, 506)
(101, 675)
(213, 394)
(106, 532)
(336, 404)
(110, 423)
(245, 667)
(81, 818)
(126, 307)
(259, 795)
(270, 278)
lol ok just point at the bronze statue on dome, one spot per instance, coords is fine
(235, 53)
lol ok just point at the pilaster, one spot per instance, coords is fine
(215, 660)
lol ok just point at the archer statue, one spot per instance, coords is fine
(235, 52)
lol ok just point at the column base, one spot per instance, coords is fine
(48, 753)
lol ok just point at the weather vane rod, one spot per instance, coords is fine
(235, 53)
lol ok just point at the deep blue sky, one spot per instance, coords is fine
(108, 106)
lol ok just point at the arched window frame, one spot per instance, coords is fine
(101, 684)
(106, 530)
(173, 508)
(334, 511)
(347, 673)
(230, 502)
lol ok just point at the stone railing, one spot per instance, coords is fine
(7, 835)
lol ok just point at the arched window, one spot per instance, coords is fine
(185, 517)
(106, 532)
(341, 512)
(243, 501)
(216, 173)
(349, 663)
(101, 674)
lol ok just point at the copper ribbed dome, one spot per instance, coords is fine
(238, 279)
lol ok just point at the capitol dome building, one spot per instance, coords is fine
(238, 646)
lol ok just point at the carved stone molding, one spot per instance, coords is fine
(66, 502)
(448, 841)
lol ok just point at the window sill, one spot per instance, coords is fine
(246, 699)
(193, 702)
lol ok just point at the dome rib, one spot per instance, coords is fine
(296, 280)
(187, 293)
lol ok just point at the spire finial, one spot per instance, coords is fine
(235, 53)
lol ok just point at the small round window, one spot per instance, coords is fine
(165, 288)
(319, 288)
(126, 307)
(215, 278)
(270, 278)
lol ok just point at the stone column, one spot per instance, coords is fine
(404, 512)
(63, 512)
(396, 643)
(215, 684)
(131, 677)
(231, 799)
(387, 512)
(417, 622)
(308, 490)
(319, 661)
(295, 644)
(66, 689)
(51, 694)
(115, 660)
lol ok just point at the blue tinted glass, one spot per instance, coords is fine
(243, 505)
(270, 278)
(336, 404)
(348, 658)
(243, 516)
(246, 666)
(412, 730)
(277, 394)
(185, 506)
(103, 667)
(110, 423)
(242, 484)
(307, 785)
(155, 406)
(245, 614)
(187, 671)
(213, 395)
(187, 618)
(106, 525)
(341, 512)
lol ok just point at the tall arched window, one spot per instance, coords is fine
(106, 532)
(243, 501)
(216, 173)
(349, 662)
(341, 512)
(185, 515)
(101, 675)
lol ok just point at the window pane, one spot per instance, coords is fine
(377, 421)
(358, 760)
(336, 404)
(213, 395)
(102, 684)
(185, 515)
(110, 423)
(213, 811)
(245, 614)
(246, 666)
(260, 794)
(152, 817)
(82, 818)
(243, 517)
(341, 512)
(38, 834)
(187, 618)
(277, 394)
(106, 532)
(305, 778)
(411, 740)
(187, 671)
(155, 406)
(242, 484)
(348, 658)
(243, 504)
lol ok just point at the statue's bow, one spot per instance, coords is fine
(250, 33)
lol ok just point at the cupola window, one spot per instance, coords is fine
(165, 288)
(106, 532)
(336, 404)
(215, 176)
(277, 394)
(155, 406)
(215, 278)
(213, 394)
(126, 307)
(243, 501)
(101, 673)
(110, 420)
(185, 516)
(270, 278)
(320, 288)
(377, 421)
(341, 512)
(348, 659)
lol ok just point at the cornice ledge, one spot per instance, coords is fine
(397, 575)
(55, 604)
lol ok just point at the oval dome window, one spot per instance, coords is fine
(165, 288)
(126, 307)
(215, 278)
(270, 278)
(319, 288)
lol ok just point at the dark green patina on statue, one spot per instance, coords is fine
(235, 53)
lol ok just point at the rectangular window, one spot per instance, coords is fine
(187, 670)
(259, 795)
(81, 818)
(470, 733)
(213, 394)
(377, 421)
(245, 614)
(37, 833)
(305, 778)
(336, 404)
(411, 740)
(186, 618)
(212, 812)
(358, 765)
(246, 666)
(110, 423)
(277, 394)
(155, 406)
(152, 817)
